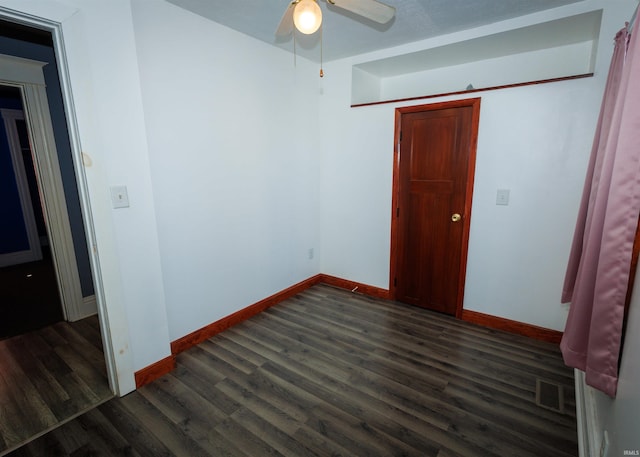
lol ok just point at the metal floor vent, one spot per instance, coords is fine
(549, 395)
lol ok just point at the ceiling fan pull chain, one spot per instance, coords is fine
(321, 71)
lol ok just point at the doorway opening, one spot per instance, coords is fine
(29, 296)
(56, 372)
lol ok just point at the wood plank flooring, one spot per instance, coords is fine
(331, 373)
(49, 376)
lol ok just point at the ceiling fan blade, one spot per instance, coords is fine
(370, 9)
(286, 23)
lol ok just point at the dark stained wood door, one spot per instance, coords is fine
(433, 183)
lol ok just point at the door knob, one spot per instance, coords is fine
(456, 217)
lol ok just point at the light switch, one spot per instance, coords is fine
(502, 197)
(119, 197)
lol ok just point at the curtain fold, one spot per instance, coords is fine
(599, 263)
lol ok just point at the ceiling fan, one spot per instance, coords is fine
(307, 16)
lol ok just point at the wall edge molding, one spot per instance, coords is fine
(510, 326)
(206, 332)
(471, 91)
(155, 370)
(355, 287)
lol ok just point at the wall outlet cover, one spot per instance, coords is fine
(502, 197)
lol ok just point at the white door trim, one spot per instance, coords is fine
(590, 431)
(51, 16)
(34, 252)
(119, 363)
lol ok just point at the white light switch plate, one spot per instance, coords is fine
(119, 197)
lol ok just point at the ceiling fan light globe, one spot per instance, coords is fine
(307, 16)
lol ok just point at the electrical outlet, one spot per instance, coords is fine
(604, 446)
(310, 253)
(502, 197)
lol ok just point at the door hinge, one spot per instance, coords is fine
(400, 135)
(398, 211)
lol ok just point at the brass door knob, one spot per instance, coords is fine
(456, 217)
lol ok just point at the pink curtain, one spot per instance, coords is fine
(599, 264)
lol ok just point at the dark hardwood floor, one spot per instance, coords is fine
(49, 376)
(332, 373)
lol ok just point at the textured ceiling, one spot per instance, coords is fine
(345, 34)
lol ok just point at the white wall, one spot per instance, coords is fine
(533, 140)
(232, 128)
(106, 89)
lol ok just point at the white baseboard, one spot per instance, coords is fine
(589, 430)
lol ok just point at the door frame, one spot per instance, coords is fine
(118, 381)
(474, 103)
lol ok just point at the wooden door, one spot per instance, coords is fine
(433, 183)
